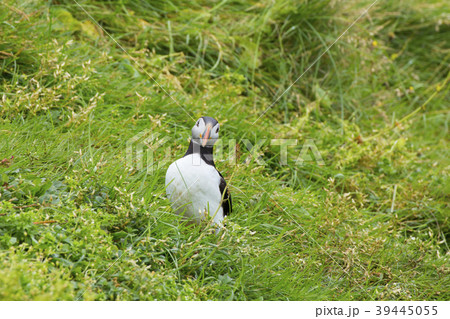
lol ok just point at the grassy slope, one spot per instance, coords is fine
(71, 98)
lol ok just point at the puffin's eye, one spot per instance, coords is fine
(198, 123)
(217, 130)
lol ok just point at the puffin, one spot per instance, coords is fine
(195, 188)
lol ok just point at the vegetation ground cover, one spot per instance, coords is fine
(371, 222)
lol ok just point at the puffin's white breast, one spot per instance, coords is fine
(193, 188)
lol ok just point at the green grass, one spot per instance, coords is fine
(77, 223)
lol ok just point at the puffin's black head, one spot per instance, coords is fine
(206, 131)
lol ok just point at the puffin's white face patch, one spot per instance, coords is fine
(201, 129)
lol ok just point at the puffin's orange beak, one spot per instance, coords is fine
(205, 137)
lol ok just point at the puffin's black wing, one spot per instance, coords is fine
(226, 203)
